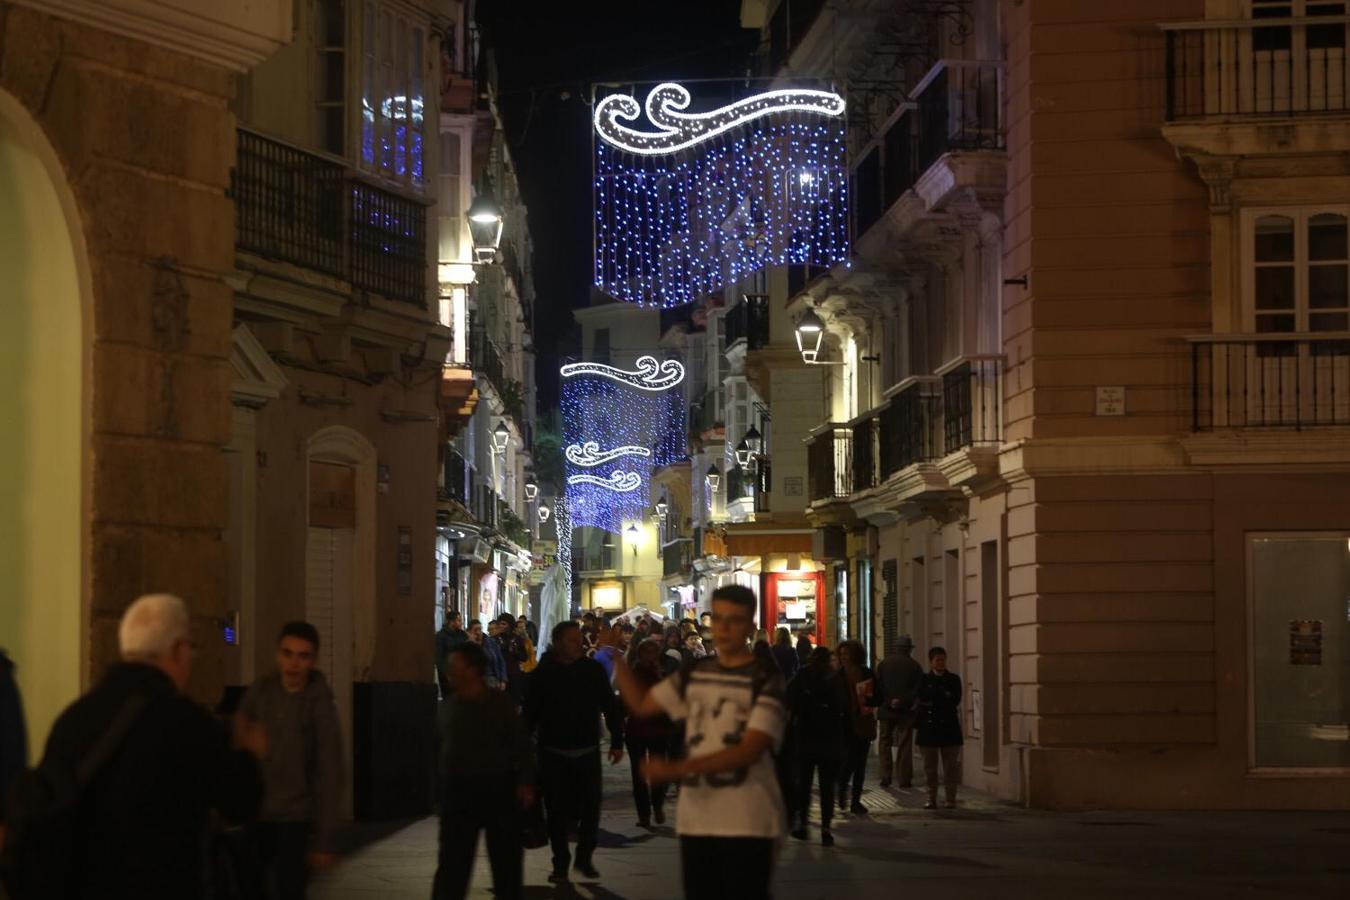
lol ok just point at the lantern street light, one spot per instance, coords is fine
(713, 477)
(485, 227)
(501, 435)
(743, 453)
(544, 512)
(662, 507)
(810, 332)
(531, 488)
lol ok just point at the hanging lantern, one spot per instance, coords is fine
(485, 227)
(810, 332)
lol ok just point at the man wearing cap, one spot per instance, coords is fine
(897, 689)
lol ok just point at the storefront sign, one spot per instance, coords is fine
(1305, 642)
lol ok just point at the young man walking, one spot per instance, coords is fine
(303, 778)
(898, 679)
(940, 727)
(568, 694)
(731, 815)
(487, 771)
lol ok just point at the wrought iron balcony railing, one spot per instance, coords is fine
(455, 479)
(748, 321)
(677, 557)
(829, 462)
(867, 451)
(1270, 380)
(311, 211)
(487, 359)
(1277, 66)
(910, 424)
(971, 391)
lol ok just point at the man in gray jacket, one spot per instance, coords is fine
(303, 769)
(898, 679)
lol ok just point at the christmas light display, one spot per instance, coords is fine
(649, 375)
(590, 454)
(562, 523)
(710, 197)
(618, 426)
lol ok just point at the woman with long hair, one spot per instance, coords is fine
(648, 738)
(862, 723)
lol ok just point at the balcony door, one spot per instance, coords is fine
(1295, 67)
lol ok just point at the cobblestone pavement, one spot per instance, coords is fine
(984, 849)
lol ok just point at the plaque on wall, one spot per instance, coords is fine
(1305, 642)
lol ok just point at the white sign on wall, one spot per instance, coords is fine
(1111, 401)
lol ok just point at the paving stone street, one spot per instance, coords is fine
(984, 849)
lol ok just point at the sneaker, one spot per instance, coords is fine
(826, 838)
(587, 869)
(659, 815)
(931, 804)
(800, 834)
(885, 782)
(857, 808)
(557, 875)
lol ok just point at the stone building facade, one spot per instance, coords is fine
(115, 153)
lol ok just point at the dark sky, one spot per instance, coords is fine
(548, 56)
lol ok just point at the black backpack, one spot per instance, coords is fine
(42, 819)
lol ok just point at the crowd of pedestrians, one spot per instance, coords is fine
(735, 730)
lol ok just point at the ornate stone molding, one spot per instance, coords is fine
(232, 35)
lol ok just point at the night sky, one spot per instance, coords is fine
(548, 57)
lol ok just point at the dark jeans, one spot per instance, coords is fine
(470, 805)
(727, 868)
(854, 767)
(646, 797)
(828, 769)
(571, 793)
(281, 848)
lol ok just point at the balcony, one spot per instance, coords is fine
(748, 321)
(706, 416)
(599, 560)
(455, 477)
(487, 361)
(677, 558)
(1257, 68)
(829, 462)
(308, 210)
(790, 23)
(955, 108)
(972, 428)
(866, 452)
(909, 424)
(1270, 381)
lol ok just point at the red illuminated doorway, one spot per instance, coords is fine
(795, 601)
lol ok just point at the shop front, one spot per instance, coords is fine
(795, 601)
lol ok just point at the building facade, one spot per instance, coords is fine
(1084, 421)
(116, 148)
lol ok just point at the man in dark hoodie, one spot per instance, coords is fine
(303, 770)
(568, 694)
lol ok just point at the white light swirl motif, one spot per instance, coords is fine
(681, 130)
(619, 481)
(650, 375)
(589, 453)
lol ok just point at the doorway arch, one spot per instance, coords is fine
(44, 411)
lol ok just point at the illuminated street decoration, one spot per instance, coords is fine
(706, 198)
(590, 453)
(619, 425)
(650, 375)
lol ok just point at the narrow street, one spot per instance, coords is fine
(985, 849)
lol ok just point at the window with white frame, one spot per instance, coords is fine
(392, 95)
(449, 196)
(1297, 268)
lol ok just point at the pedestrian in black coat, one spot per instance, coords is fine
(818, 705)
(145, 815)
(939, 727)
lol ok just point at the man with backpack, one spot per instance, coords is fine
(730, 815)
(120, 805)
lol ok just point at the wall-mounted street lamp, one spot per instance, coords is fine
(713, 477)
(501, 435)
(531, 488)
(810, 335)
(662, 507)
(544, 512)
(485, 227)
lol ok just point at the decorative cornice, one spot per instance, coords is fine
(233, 35)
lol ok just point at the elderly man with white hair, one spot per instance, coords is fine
(144, 813)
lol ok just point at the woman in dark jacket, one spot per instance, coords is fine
(785, 654)
(862, 724)
(648, 737)
(939, 727)
(818, 706)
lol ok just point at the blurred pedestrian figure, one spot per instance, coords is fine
(451, 635)
(939, 727)
(862, 728)
(730, 814)
(590, 633)
(303, 777)
(819, 708)
(531, 629)
(785, 654)
(897, 691)
(648, 739)
(496, 667)
(674, 650)
(613, 643)
(531, 647)
(513, 655)
(694, 644)
(13, 735)
(163, 763)
(567, 696)
(488, 769)
(804, 646)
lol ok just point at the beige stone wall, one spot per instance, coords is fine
(145, 136)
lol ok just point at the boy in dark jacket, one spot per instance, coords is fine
(303, 772)
(940, 727)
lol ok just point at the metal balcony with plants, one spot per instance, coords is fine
(312, 211)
